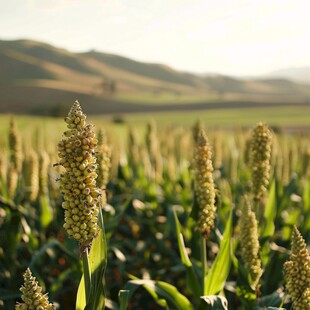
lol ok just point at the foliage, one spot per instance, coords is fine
(154, 252)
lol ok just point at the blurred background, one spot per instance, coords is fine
(227, 62)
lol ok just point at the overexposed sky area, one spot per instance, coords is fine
(235, 37)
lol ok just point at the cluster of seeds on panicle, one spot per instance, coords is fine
(260, 154)
(16, 159)
(32, 297)
(204, 185)
(297, 272)
(3, 167)
(250, 244)
(78, 183)
(32, 175)
(104, 164)
(196, 129)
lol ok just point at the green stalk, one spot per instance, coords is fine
(87, 274)
(204, 262)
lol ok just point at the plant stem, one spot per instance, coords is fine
(87, 274)
(204, 261)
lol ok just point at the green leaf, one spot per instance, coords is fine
(80, 297)
(132, 286)
(162, 292)
(306, 211)
(97, 260)
(273, 300)
(213, 302)
(215, 280)
(306, 196)
(46, 215)
(270, 211)
(192, 281)
(123, 297)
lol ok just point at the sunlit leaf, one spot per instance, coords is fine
(215, 280)
(46, 215)
(123, 297)
(98, 262)
(80, 297)
(162, 292)
(192, 281)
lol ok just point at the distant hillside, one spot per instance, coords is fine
(37, 78)
(299, 75)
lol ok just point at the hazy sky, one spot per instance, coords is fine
(238, 37)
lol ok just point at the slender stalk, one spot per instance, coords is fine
(204, 261)
(87, 274)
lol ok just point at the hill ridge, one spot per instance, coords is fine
(39, 78)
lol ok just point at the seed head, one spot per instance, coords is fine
(204, 185)
(32, 175)
(3, 166)
(104, 164)
(16, 159)
(297, 272)
(249, 244)
(32, 297)
(78, 183)
(260, 154)
(196, 130)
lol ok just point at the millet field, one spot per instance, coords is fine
(101, 215)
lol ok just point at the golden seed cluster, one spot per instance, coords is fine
(196, 129)
(16, 159)
(260, 155)
(3, 167)
(32, 175)
(249, 244)
(297, 272)
(104, 164)
(32, 297)
(204, 185)
(78, 183)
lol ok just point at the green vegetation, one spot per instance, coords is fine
(165, 180)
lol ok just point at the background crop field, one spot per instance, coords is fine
(146, 185)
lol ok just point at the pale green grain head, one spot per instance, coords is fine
(81, 195)
(15, 146)
(203, 184)
(249, 244)
(297, 272)
(32, 296)
(103, 164)
(31, 175)
(260, 154)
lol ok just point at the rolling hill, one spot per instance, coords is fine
(37, 78)
(299, 75)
